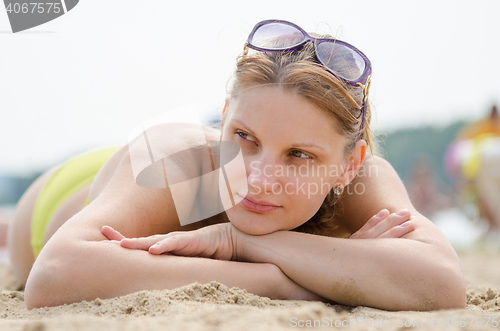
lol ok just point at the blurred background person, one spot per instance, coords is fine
(427, 191)
(473, 159)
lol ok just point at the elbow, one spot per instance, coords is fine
(448, 288)
(454, 295)
(53, 279)
(43, 287)
(38, 295)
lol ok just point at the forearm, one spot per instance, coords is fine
(392, 274)
(66, 274)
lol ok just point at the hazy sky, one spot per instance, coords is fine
(89, 77)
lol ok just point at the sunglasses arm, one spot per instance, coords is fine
(365, 88)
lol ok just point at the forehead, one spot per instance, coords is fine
(271, 111)
(269, 103)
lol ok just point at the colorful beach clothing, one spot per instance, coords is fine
(69, 178)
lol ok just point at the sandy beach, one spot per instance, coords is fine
(215, 307)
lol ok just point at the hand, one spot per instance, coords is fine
(214, 241)
(114, 237)
(386, 225)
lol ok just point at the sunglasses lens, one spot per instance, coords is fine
(277, 36)
(342, 60)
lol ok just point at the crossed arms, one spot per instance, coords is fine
(419, 271)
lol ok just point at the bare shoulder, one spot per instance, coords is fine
(171, 137)
(378, 186)
(136, 211)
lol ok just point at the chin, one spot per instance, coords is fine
(251, 223)
(252, 228)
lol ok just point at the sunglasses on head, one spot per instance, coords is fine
(343, 60)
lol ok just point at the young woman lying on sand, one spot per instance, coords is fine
(295, 101)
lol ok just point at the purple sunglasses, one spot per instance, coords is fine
(343, 60)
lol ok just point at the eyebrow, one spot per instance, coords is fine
(294, 145)
(308, 145)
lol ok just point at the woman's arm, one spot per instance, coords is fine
(419, 271)
(72, 270)
(76, 264)
(392, 274)
(388, 273)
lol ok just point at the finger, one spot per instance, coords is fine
(387, 223)
(373, 229)
(141, 243)
(374, 220)
(111, 233)
(400, 230)
(174, 244)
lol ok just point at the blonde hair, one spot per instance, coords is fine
(299, 72)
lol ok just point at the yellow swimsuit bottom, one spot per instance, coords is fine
(69, 178)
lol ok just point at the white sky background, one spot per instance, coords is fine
(89, 77)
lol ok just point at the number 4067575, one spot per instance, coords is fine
(34, 7)
(472, 322)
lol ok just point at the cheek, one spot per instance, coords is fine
(308, 188)
(305, 195)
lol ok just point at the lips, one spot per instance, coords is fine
(256, 205)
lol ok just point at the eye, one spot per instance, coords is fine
(300, 154)
(245, 136)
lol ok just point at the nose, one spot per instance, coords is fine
(261, 174)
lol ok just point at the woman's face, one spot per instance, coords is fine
(292, 154)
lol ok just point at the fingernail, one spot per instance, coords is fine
(402, 212)
(405, 224)
(155, 245)
(381, 213)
